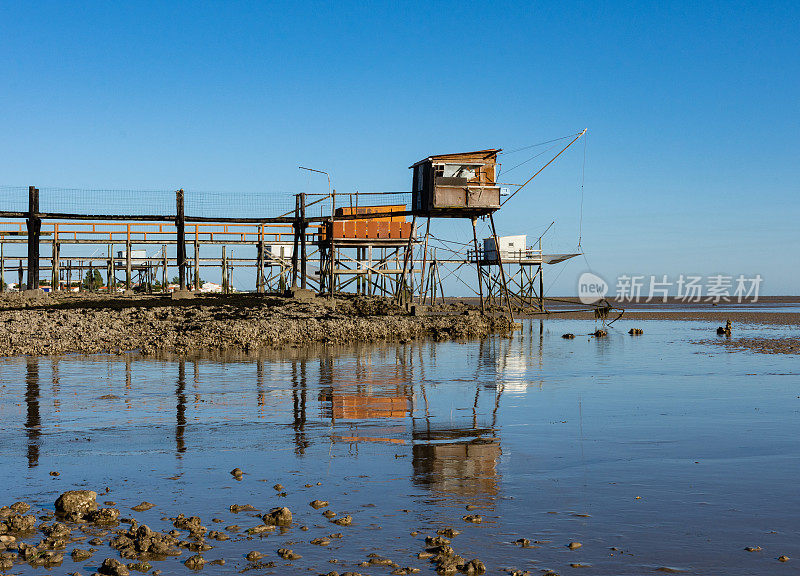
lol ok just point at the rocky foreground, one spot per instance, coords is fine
(115, 545)
(68, 324)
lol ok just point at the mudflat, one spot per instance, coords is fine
(150, 324)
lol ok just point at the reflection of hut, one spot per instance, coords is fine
(366, 392)
(358, 406)
(467, 467)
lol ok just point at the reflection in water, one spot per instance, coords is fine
(467, 468)
(33, 422)
(299, 407)
(180, 410)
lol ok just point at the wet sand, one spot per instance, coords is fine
(642, 449)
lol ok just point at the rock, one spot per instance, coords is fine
(329, 514)
(599, 333)
(344, 520)
(280, 516)
(143, 507)
(79, 554)
(635, 331)
(524, 542)
(260, 529)
(317, 504)
(20, 507)
(77, 502)
(474, 518)
(579, 565)
(449, 532)
(195, 562)
(753, 548)
(783, 558)
(192, 524)
(568, 336)
(470, 507)
(474, 566)
(237, 473)
(278, 487)
(574, 545)
(254, 556)
(103, 516)
(236, 508)
(113, 567)
(436, 541)
(20, 523)
(288, 554)
(140, 566)
(320, 542)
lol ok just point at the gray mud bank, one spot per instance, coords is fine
(69, 324)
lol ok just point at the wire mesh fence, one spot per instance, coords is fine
(14, 198)
(197, 203)
(106, 202)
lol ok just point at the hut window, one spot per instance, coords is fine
(467, 171)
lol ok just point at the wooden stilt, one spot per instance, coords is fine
(478, 264)
(502, 271)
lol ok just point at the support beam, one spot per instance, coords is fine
(500, 264)
(478, 264)
(303, 255)
(55, 281)
(180, 223)
(34, 224)
(196, 258)
(128, 271)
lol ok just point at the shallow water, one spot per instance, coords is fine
(676, 453)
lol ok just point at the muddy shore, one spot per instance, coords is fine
(89, 324)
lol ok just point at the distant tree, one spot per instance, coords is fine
(93, 280)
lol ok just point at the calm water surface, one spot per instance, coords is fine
(678, 454)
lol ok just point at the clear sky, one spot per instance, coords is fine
(692, 156)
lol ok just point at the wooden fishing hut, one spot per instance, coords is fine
(461, 185)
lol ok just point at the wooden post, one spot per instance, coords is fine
(113, 268)
(541, 277)
(224, 272)
(19, 283)
(502, 271)
(369, 265)
(34, 224)
(196, 257)
(423, 295)
(164, 276)
(55, 281)
(295, 250)
(332, 264)
(401, 287)
(180, 225)
(128, 267)
(2, 267)
(303, 255)
(478, 264)
(110, 269)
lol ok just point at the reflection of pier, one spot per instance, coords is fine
(33, 422)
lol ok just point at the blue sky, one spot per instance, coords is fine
(692, 110)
